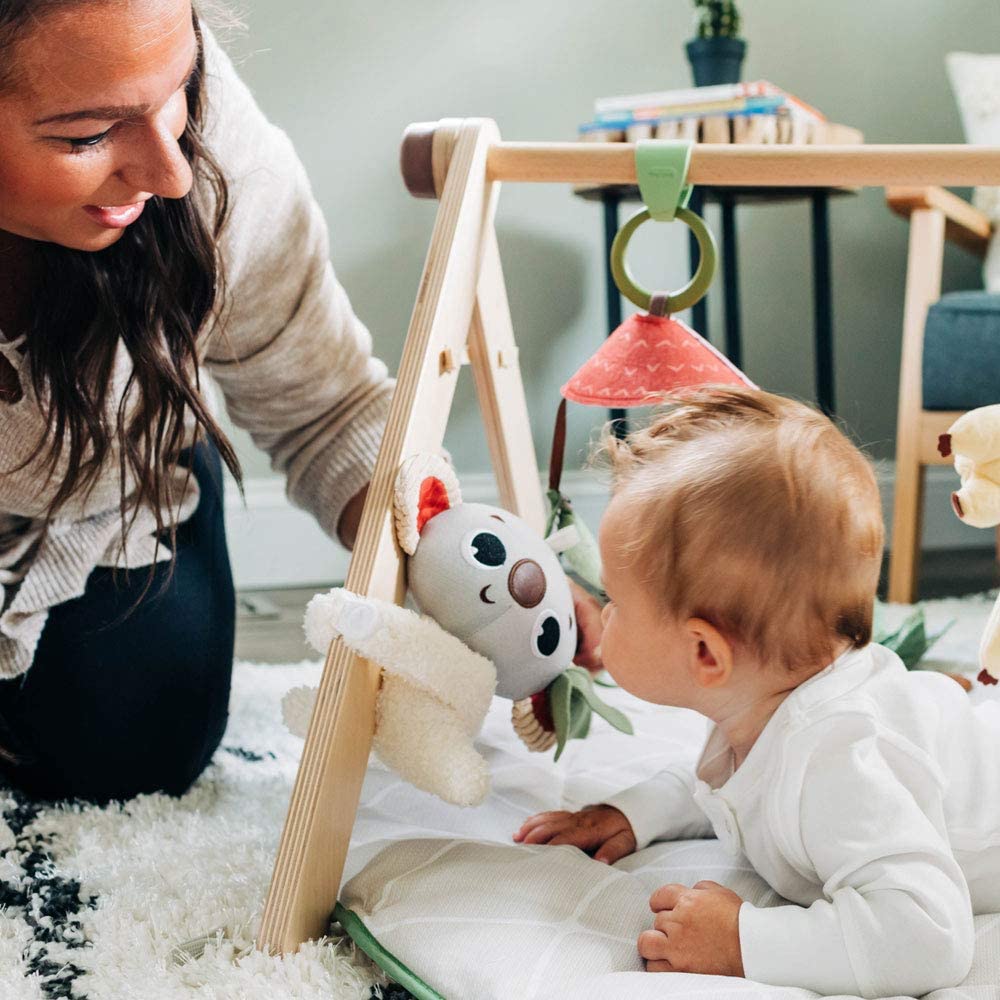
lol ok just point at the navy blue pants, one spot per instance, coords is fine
(124, 698)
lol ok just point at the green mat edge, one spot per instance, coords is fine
(385, 960)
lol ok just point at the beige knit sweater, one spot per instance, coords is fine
(294, 366)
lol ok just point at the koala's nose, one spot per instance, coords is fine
(526, 583)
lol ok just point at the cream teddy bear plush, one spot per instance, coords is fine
(974, 440)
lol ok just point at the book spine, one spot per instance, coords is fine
(688, 95)
(716, 129)
(595, 132)
(756, 105)
(696, 100)
(807, 109)
(640, 130)
(674, 126)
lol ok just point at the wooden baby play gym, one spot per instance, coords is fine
(461, 316)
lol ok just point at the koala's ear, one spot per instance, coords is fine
(425, 487)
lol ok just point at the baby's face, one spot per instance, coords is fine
(646, 652)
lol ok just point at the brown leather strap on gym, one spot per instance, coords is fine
(558, 447)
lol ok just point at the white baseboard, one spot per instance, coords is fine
(273, 544)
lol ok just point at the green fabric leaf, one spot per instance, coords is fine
(560, 695)
(554, 515)
(584, 558)
(573, 701)
(910, 640)
(579, 707)
(579, 719)
(584, 684)
(381, 956)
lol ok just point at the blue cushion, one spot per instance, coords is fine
(962, 352)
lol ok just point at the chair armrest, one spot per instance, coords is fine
(965, 225)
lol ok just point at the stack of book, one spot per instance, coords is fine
(736, 112)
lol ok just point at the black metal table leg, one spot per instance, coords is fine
(611, 200)
(731, 280)
(822, 301)
(699, 311)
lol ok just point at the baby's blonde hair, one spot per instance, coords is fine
(756, 513)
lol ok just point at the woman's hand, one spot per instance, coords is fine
(602, 829)
(350, 518)
(695, 930)
(589, 628)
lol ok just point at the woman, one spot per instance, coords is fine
(153, 226)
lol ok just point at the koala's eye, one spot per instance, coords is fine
(545, 635)
(484, 549)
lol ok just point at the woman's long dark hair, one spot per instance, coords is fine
(152, 291)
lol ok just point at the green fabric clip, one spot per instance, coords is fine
(661, 166)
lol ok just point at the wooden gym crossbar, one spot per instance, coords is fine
(461, 307)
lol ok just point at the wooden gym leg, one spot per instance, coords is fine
(313, 847)
(495, 367)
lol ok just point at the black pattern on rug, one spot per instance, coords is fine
(250, 755)
(49, 903)
(391, 992)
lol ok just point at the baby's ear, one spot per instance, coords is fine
(712, 654)
(425, 487)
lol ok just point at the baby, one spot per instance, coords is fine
(741, 553)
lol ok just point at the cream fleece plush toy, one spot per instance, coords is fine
(498, 616)
(434, 696)
(974, 439)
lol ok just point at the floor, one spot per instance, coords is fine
(269, 626)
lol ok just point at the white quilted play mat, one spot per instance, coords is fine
(489, 920)
(108, 904)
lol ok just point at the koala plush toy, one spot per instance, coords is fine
(498, 617)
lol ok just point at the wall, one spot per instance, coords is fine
(345, 78)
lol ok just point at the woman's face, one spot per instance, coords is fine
(90, 127)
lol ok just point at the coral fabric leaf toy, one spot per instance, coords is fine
(649, 354)
(498, 616)
(646, 357)
(974, 440)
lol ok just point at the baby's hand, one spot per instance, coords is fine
(696, 930)
(601, 829)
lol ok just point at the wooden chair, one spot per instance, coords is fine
(935, 215)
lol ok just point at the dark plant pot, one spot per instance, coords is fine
(716, 60)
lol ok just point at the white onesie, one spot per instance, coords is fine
(872, 800)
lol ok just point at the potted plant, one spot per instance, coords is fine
(716, 54)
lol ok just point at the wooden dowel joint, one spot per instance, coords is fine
(416, 159)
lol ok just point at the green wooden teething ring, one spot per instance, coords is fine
(693, 290)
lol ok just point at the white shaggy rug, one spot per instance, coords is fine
(95, 904)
